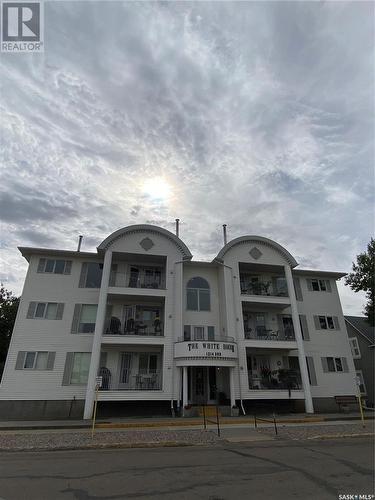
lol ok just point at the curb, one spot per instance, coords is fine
(339, 436)
(103, 446)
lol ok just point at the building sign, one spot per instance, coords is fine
(206, 349)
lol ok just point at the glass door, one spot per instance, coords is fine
(199, 384)
(134, 277)
(125, 370)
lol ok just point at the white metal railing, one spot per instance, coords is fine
(131, 381)
(215, 338)
(114, 326)
(142, 280)
(262, 287)
(263, 333)
(282, 379)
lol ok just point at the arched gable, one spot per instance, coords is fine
(146, 228)
(257, 239)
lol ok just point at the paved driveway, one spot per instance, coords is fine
(259, 470)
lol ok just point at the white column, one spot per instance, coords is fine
(184, 387)
(97, 340)
(298, 333)
(231, 382)
(178, 386)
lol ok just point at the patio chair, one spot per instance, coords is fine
(130, 326)
(115, 326)
(248, 331)
(261, 332)
(105, 373)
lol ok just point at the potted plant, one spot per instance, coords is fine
(287, 379)
(266, 376)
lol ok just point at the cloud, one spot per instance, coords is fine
(258, 115)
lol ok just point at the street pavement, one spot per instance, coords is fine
(274, 469)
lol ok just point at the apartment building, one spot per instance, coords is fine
(162, 331)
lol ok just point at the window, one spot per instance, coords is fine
(317, 285)
(354, 346)
(332, 364)
(198, 295)
(187, 332)
(29, 360)
(326, 323)
(87, 318)
(80, 368)
(360, 382)
(148, 363)
(35, 360)
(54, 266)
(91, 275)
(45, 310)
(198, 333)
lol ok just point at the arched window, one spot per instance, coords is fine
(198, 295)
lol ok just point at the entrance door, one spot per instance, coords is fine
(203, 385)
(125, 372)
(199, 391)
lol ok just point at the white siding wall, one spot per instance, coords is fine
(47, 335)
(327, 343)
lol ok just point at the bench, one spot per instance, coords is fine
(346, 400)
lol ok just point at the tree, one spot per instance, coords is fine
(8, 310)
(363, 279)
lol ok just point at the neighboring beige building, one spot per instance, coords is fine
(166, 333)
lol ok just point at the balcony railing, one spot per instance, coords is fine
(131, 327)
(261, 333)
(283, 379)
(265, 288)
(215, 338)
(131, 381)
(152, 281)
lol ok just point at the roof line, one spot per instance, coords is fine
(27, 251)
(358, 330)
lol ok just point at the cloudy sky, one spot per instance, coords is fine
(258, 115)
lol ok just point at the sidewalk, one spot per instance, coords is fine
(168, 422)
(80, 439)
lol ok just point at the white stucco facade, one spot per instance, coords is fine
(247, 327)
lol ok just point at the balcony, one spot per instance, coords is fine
(268, 329)
(139, 277)
(262, 333)
(132, 381)
(275, 380)
(137, 320)
(263, 284)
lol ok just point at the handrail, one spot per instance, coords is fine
(215, 339)
(273, 421)
(207, 421)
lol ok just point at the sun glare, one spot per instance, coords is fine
(157, 188)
